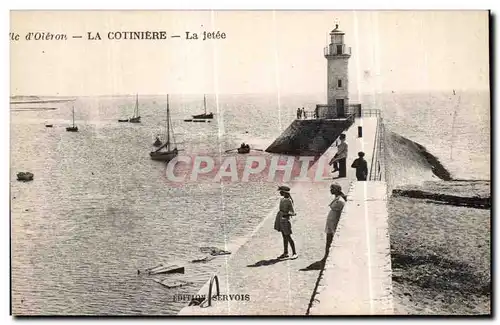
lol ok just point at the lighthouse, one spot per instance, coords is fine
(337, 54)
(312, 137)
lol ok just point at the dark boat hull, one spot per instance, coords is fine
(163, 155)
(48, 125)
(123, 120)
(135, 119)
(25, 176)
(204, 116)
(72, 129)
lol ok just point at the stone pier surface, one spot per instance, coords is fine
(357, 278)
(285, 287)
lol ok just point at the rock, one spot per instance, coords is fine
(214, 251)
(203, 259)
(170, 284)
(475, 202)
(171, 268)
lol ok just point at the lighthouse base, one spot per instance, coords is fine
(309, 137)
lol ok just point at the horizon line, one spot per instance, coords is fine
(257, 93)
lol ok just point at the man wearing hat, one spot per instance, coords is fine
(282, 221)
(339, 160)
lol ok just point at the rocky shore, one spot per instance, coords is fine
(476, 194)
(440, 248)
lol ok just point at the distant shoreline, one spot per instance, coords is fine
(21, 109)
(41, 101)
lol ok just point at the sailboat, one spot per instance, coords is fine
(73, 128)
(205, 115)
(170, 153)
(136, 118)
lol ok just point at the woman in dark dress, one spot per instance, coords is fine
(282, 222)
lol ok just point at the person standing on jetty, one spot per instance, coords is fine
(361, 167)
(339, 160)
(333, 217)
(299, 113)
(282, 221)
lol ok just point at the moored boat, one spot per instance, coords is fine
(136, 118)
(244, 148)
(170, 151)
(204, 115)
(25, 176)
(73, 128)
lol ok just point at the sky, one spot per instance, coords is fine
(263, 52)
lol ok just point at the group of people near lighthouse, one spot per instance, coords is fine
(301, 113)
(286, 211)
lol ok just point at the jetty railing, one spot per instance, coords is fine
(377, 163)
(371, 112)
(328, 112)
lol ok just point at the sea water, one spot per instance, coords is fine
(99, 208)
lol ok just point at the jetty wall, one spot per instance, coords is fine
(309, 137)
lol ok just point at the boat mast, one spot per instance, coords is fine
(168, 125)
(73, 115)
(205, 103)
(136, 113)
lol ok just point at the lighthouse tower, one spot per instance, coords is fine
(337, 54)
